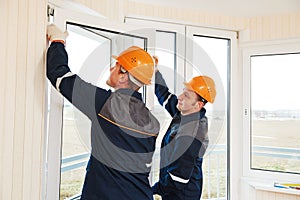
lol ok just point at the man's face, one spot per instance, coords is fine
(188, 102)
(114, 75)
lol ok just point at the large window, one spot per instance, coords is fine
(177, 47)
(184, 52)
(271, 113)
(165, 50)
(275, 112)
(217, 51)
(90, 45)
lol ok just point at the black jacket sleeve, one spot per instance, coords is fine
(164, 96)
(80, 93)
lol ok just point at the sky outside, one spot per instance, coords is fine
(275, 82)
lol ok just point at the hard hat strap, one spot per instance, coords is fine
(122, 70)
(135, 81)
(131, 78)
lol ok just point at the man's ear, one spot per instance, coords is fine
(201, 104)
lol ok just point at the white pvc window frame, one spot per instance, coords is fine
(232, 95)
(264, 48)
(185, 49)
(178, 29)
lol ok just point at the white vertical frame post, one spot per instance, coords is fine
(233, 102)
(179, 29)
(150, 34)
(54, 137)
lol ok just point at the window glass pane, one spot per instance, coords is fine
(89, 51)
(165, 50)
(275, 112)
(215, 162)
(166, 53)
(211, 57)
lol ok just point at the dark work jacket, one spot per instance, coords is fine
(182, 150)
(123, 133)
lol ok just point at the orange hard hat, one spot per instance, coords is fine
(138, 63)
(203, 86)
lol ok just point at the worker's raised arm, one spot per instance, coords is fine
(79, 92)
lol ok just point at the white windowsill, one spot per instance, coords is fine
(271, 188)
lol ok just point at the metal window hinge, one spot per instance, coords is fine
(50, 11)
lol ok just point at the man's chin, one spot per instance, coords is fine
(108, 83)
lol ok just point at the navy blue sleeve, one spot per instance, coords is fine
(57, 62)
(164, 96)
(179, 172)
(80, 93)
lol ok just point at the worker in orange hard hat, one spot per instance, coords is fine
(138, 63)
(123, 130)
(185, 142)
(204, 86)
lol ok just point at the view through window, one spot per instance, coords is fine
(89, 51)
(275, 112)
(211, 57)
(216, 51)
(83, 48)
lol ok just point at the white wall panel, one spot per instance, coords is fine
(9, 99)
(20, 105)
(3, 34)
(260, 28)
(274, 27)
(22, 94)
(38, 83)
(267, 195)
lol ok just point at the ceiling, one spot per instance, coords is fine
(236, 8)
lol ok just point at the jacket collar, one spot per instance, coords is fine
(193, 116)
(130, 92)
